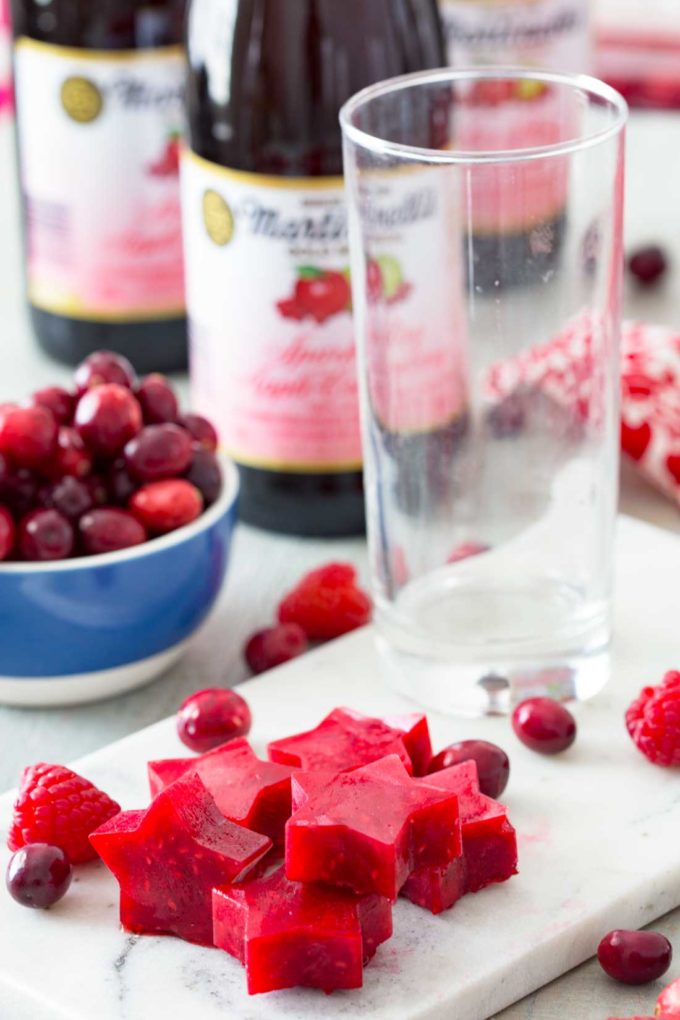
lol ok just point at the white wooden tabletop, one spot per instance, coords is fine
(263, 565)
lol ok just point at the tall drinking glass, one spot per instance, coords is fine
(486, 238)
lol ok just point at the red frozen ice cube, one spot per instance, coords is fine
(413, 730)
(248, 791)
(489, 845)
(168, 859)
(367, 830)
(346, 739)
(290, 934)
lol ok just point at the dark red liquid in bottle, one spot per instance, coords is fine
(267, 80)
(77, 72)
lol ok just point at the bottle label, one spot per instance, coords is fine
(530, 33)
(410, 245)
(99, 148)
(270, 316)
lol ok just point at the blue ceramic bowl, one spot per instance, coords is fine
(83, 629)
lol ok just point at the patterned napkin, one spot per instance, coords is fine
(650, 390)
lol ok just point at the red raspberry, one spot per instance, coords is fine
(653, 721)
(668, 1003)
(59, 807)
(274, 646)
(327, 603)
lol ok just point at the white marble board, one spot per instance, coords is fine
(599, 832)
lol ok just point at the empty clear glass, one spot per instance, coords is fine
(486, 238)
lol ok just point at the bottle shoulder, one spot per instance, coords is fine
(101, 25)
(267, 79)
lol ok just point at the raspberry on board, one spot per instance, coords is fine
(653, 721)
(59, 807)
(327, 603)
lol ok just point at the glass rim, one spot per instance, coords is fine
(583, 82)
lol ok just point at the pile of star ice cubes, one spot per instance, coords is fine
(292, 865)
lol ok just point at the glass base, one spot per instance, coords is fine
(470, 644)
(491, 686)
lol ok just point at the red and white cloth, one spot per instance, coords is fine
(564, 369)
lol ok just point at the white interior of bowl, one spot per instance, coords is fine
(225, 501)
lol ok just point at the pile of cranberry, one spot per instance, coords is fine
(105, 467)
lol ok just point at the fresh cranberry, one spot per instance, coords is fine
(7, 533)
(104, 367)
(493, 764)
(200, 429)
(205, 473)
(98, 489)
(157, 400)
(60, 402)
(648, 265)
(19, 491)
(274, 646)
(109, 529)
(38, 875)
(635, 957)
(70, 496)
(107, 417)
(45, 535)
(28, 435)
(166, 506)
(119, 483)
(159, 451)
(544, 725)
(212, 717)
(70, 457)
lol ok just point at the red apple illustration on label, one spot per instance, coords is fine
(167, 164)
(319, 294)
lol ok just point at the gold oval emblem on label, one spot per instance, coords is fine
(218, 218)
(81, 99)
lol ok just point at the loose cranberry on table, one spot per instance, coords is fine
(109, 529)
(635, 957)
(104, 367)
(205, 473)
(648, 265)
(107, 417)
(158, 452)
(59, 807)
(275, 645)
(28, 435)
(653, 721)
(60, 402)
(200, 429)
(544, 725)
(38, 875)
(7, 533)
(157, 399)
(212, 717)
(327, 603)
(493, 764)
(165, 506)
(45, 535)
